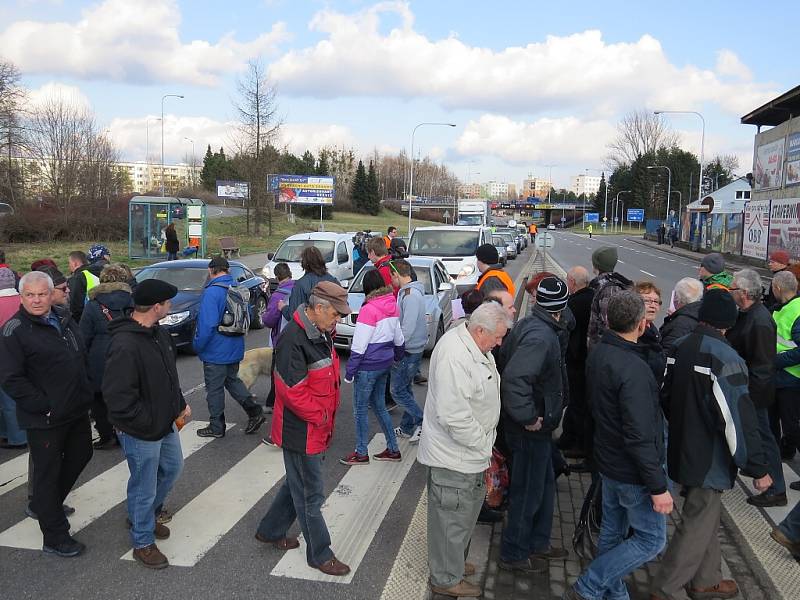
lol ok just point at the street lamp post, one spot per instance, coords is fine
(616, 207)
(164, 97)
(702, 142)
(549, 180)
(411, 179)
(669, 186)
(190, 140)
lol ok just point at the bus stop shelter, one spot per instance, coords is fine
(148, 217)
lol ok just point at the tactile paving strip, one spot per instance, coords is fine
(408, 579)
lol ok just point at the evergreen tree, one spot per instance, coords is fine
(373, 205)
(308, 163)
(207, 175)
(600, 196)
(322, 164)
(359, 191)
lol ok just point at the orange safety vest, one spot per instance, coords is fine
(532, 228)
(502, 276)
(388, 241)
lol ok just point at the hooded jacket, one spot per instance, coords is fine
(43, 368)
(140, 384)
(532, 372)
(680, 323)
(378, 338)
(411, 302)
(273, 318)
(753, 337)
(107, 301)
(721, 280)
(628, 423)
(301, 290)
(604, 287)
(211, 346)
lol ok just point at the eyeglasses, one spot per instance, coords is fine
(62, 288)
(656, 302)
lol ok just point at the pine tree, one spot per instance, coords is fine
(207, 175)
(359, 191)
(322, 164)
(308, 163)
(373, 205)
(600, 196)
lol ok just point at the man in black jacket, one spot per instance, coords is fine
(143, 394)
(629, 451)
(43, 367)
(531, 394)
(84, 277)
(754, 337)
(686, 299)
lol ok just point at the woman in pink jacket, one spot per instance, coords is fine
(15, 437)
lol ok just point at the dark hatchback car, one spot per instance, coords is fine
(190, 277)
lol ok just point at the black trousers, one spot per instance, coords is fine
(99, 413)
(59, 456)
(787, 405)
(574, 431)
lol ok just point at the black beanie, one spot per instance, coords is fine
(718, 309)
(552, 294)
(487, 254)
(153, 291)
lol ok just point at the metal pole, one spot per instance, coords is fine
(411, 179)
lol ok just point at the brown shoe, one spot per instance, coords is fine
(161, 531)
(552, 553)
(334, 567)
(151, 557)
(469, 569)
(780, 537)
(463, 589)
(287, 543)
(726, 588)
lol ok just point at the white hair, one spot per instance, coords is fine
(688, 290)
(316, 300)
(33, 277)
(488, 316)
(749, 282)
(785, 281)
(580, 276)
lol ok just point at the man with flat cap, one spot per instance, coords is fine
(307, 388)
(144, 398)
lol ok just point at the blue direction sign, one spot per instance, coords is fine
(635, 215)
(592, 217)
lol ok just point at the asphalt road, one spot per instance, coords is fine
(224, 491)
(214, 211)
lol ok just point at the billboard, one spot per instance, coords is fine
(592, 217)
(635, 215)
(784, 226)
(756, 226)
(302, 189)
(768, 171)
(233, 189)
(793, 160)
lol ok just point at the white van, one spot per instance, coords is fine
(455, 246)
(336, 249)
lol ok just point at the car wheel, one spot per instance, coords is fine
(259, 307)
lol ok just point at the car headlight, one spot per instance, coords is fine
(267, 272)
(175, 318)
(466, 271)
(343, 320)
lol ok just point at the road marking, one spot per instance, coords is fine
(353, 512)
(199, 525)
(647, 273)
(622, 262)
(191, 391)
(97, 496)
(13, 473)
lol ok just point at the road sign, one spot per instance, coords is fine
(592, 217)
(404, 208)
(563, 219)
(545, 240)
(446, 214)
(635, 215)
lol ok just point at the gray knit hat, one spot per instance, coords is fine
(713, 263)
(604, 259)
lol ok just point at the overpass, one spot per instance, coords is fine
(523, 209)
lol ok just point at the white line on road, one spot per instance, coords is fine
(97, 496)
(647, 273)
(199, 525)
(13, 473)
(622, 262)
(194, 389)
(354, 511)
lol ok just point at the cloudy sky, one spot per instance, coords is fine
(528, 83)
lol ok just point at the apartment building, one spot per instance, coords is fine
(584, 184)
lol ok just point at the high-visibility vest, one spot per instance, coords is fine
(785, 319)
(91, 281)
(388, 241)
(532, 228)
(502, 276)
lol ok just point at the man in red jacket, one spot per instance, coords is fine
(379, 255)
(302, 424)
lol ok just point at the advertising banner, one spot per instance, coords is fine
(756, 226)
(232, 189)
(769, 165)
(302, 189)
(635, 215)
(784, 226)
(793, 160)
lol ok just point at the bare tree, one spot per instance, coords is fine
(12, 138)
(638, 133)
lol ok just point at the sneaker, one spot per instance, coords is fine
(528, 565)
(334, 567)
(66, 549)
(106, 443)
(151, 557)
(420, 379)
(551, 553)
(795, 485)
(388, 455)
(267, 441)
(398, 432)
(354, 458)
(414, 439)
(208, 432)
(254, 422)
(765, 500)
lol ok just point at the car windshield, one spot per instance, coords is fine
(423, 276)
(498, 240)
(290, 250)
(444, 243)
(470, 220)
(509, 239)
(182, 278)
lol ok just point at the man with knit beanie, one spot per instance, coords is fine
(532, 396)
(493, 277)
(712, 272)
(713, 432)
(606, 283)
(778, 263)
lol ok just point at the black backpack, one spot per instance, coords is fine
(236, 318)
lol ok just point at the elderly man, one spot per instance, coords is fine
(461, 413)
(686, 299)
(712, 433)
(307, 389)
(753, 337)
(43, 367)
(504, 299)
(787, 361)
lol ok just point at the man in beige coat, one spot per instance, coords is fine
(458, 430)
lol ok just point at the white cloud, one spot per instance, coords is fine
(135, 41)
(728, 63)
(54, 90)
(356, 58)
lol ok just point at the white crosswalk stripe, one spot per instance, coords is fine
(13, 473)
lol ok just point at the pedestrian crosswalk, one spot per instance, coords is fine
(13, 473)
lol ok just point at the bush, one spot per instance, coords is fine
(45, 224)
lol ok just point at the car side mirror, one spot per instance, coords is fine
(346, 283)
(270, 255)
(445, 287)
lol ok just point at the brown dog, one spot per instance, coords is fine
(257, 361)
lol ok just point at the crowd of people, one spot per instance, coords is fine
(650, 411)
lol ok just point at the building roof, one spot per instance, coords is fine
(723, 200)
(776, 111)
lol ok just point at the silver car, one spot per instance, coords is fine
(502, 249)
(439, 295)
(511, 243)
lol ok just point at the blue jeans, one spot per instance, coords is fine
(402, 384)
(369, 389)
(625, 506)
(8, 417)
(772, 452)
(154, 467)
(300, 497)
(790, 526)
(219, 378)
(531, 496)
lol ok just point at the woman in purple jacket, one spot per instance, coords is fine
(273, 319)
